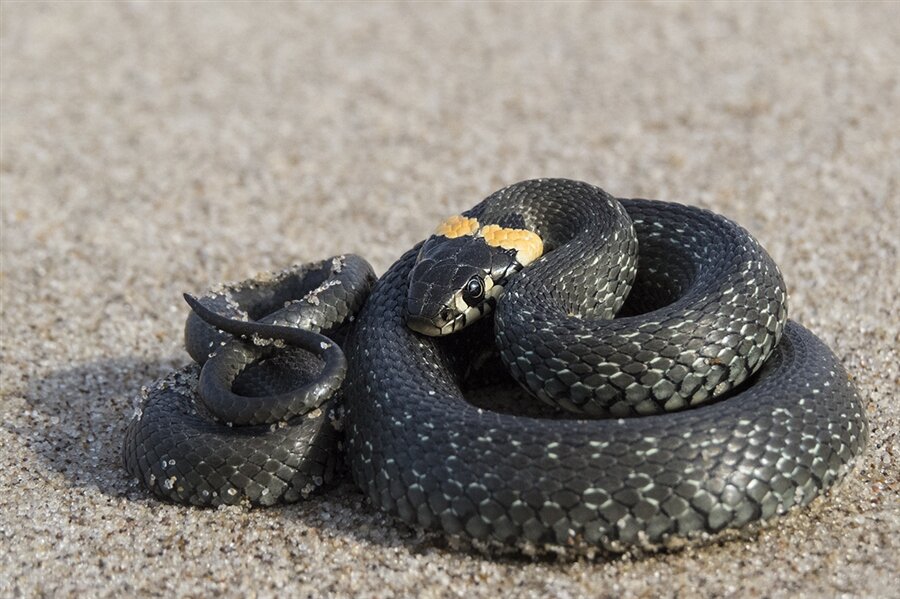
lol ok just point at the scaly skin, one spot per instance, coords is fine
(773, 418)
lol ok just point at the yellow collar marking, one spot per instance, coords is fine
(529, 246)
(457, 226)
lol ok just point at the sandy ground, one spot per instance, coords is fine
(149, 150)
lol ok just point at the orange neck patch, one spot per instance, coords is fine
(457, 226)
(528, 246)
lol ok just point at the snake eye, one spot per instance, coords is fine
(474, 290)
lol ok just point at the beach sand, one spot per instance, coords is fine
(152, 149)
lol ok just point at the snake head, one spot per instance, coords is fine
(461, 272)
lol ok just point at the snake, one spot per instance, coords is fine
(555, 367)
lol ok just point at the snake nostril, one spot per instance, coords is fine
(446, 314)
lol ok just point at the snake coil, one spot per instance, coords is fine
(676, 398)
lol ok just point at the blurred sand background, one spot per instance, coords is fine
(150, 149)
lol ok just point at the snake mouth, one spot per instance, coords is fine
(423, 325)
(449, 321)
(426, 326)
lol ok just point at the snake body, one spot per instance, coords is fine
(743, 414)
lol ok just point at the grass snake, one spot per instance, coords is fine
(554, 367)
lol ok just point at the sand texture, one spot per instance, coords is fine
(151, 149)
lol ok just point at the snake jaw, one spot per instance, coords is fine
(423, 326)
(449, 320)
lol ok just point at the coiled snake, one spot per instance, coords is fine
(676, 397)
